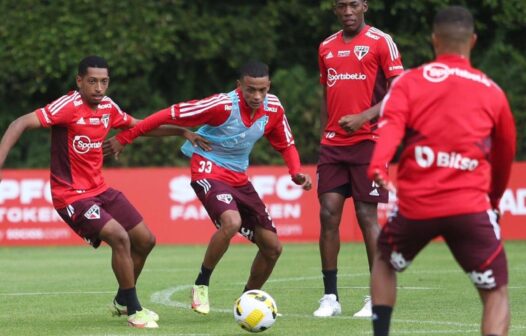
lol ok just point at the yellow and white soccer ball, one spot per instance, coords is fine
(255, 310)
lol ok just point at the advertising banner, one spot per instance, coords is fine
(173, 212)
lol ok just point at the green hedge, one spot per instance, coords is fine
(165, 51)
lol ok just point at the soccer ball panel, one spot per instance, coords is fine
(255, 311)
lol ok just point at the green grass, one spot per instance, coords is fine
(66, 291)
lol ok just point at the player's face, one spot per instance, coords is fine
(254, 90)
(93, 85)
(350, 13)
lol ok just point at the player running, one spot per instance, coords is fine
(232, 123)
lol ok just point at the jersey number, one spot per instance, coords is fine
(205, 167)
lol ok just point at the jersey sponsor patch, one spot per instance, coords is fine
(344, 53)
(361, 51)
(93, 212)
(82, 144)
(225, 198)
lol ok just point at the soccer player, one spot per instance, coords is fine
(459, 144)
(232, 122)
(79, 122)
(357, 64)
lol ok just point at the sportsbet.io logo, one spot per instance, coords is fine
(333, 76)
(82, 144)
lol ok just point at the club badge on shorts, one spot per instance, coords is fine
(225, 198)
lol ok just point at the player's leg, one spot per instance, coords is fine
(142, 240)
(218, 200)
(496, 312)
(475, 242)
(268, 254)
(367, 217)
(333, 189)
(398, 244)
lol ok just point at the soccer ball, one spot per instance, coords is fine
(255, 311)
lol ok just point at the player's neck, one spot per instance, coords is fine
(348, 35)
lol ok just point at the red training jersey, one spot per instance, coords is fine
(214, 111)
(355, 76)
(77, 134)
(459, 139)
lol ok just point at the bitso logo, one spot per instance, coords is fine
(82, 144)
(333, 76)
(425, 157)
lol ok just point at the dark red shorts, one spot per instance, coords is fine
(88, 216)
(343, 169)
(474, 240)
(218, 197)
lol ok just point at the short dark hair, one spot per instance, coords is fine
(92, 62)
(454, 23)
(255, 69)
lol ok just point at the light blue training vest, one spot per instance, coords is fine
(231, 141)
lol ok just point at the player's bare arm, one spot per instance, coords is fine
(353, 122)
(13, 133)
(323, 112)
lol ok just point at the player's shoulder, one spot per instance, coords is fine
(376, 34)
(330, 40)
(67, 102)
(273, 104)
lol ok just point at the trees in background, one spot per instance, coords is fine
(166, 51)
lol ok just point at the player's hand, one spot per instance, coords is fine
(352, 122)
(112, 147)
(303, 180)
(197, 140)
(381, 179)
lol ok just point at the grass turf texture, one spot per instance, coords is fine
(66, 291)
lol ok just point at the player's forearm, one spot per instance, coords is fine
(323, 112)
(167, 130)
(148, 125)
(388, 140)
(292, 159)
(502, 154)
(372, 112)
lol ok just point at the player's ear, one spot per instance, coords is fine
(365, 6)
(238, 82)
(79, 80)
(473, 41)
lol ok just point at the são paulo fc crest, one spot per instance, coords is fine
(225, 198)
(93, 212)
(105, 120)
(361, 51)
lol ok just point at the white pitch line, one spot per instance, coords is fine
(52, 293)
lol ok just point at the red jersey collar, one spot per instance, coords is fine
(453, 58)
(364, 30)
(245, 110)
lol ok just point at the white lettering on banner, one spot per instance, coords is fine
(286, 210)
(180, 189)
(282, 187)
(188, 212)
(287, 230)
(29, 215)
(514, 203)
(37, 234)
(25, 190)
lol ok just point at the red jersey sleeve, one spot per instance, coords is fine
(59, 112)
(322, 67)
(390, 58)
(213, 111)
(393, 117)
(279, 134)
(502, 152)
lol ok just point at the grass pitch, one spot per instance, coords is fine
(66, 291)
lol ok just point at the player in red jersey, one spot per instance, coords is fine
(459, 144)
(357, 64)
(79, 123)
(232, 122)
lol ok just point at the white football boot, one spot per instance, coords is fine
(329, 306)
(367, 309)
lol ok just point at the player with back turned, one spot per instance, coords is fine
(459, 142)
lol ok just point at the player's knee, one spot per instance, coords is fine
(118, 239)
(148, 243)
(230, 225)
(329, 219)
(273, 252)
